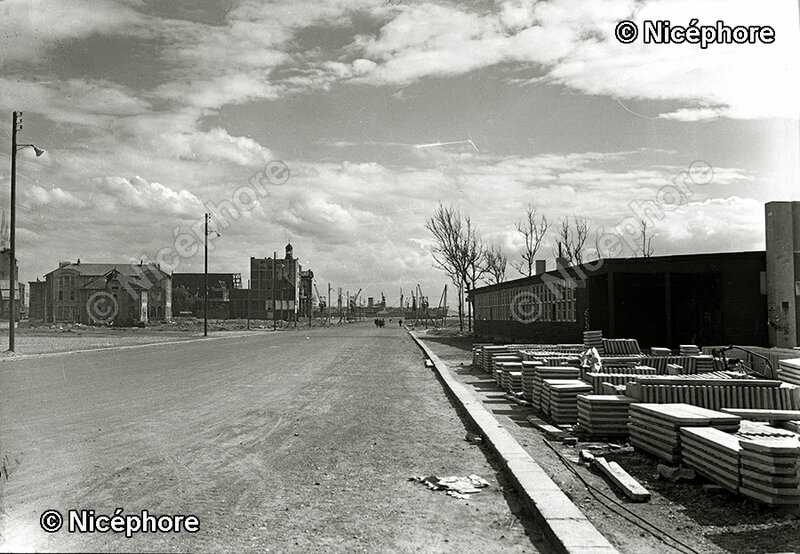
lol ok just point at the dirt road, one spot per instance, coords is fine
(299, 441)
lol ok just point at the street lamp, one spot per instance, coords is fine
(205, 278)
(12, 277)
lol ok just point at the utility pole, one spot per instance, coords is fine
(274, 303)
(12, 254)
(329, 304)
(16, 126)
(205, 282)
(248, 304)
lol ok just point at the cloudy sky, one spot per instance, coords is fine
(153, 112)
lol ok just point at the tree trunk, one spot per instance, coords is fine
(460, 308)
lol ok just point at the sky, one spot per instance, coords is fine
(319, 122)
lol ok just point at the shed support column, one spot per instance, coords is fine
(611, 315)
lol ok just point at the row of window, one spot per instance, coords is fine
(552, 301)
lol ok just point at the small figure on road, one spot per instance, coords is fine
(400, 322)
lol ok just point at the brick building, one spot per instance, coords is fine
(707, 299)
(129, 293)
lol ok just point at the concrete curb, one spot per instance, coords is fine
(564, 526)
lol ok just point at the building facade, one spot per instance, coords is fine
(187, 293)
(706, 299)
(276, 287)
(92, 293)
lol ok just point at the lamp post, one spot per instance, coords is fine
(205, 280)
(12, 277)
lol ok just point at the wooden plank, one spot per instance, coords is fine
(622, 479)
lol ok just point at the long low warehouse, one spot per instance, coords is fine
(661, 301)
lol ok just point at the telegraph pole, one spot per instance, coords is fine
(329, 304)
(12, 254)
(205, 282)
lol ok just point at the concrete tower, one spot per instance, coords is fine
(783, 272)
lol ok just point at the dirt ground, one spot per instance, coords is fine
(289, 442)
(38, 338)
(703, 519)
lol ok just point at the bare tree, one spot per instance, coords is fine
(473, 252)
(533, 231)
(572, 236)
(495, 262)
(459, 251)
(647, 241)
(446, 226)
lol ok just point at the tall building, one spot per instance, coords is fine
(783, 272)
(280, 288)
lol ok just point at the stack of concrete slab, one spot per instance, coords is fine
(515, 381)
(488, 352)
(789, 370)
(604, 415)
(716, 390)
(548, 372)
(528, 376)
(551, 357)
(689, 350)
(655, 428)
(712, 453)
(688, 363)
(610, 375)
(498, 364)
(769, 470)
(660, 351)
(621, 347)
(477, 353)
(563, 395)
(593, 339)
(704, 363)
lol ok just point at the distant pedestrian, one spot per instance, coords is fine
(400, 322)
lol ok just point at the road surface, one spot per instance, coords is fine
(295, 441)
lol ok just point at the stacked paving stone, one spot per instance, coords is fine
(528, 376)
(505, 380)
(515, 381)
(488, 352)
(593, 339)
(604, 415)
(716, 390)
(616, 376)
(712, 453)
(660, 351)
(769, 470)
(688, 363)
(563, 395)
(548, 372)
(477, 353)
(497, 364)
(689, 350)
(656, 428)
(789, 370)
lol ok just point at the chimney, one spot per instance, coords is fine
(561, 262)
(541, 267)
(78, 262)
(63, 264)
